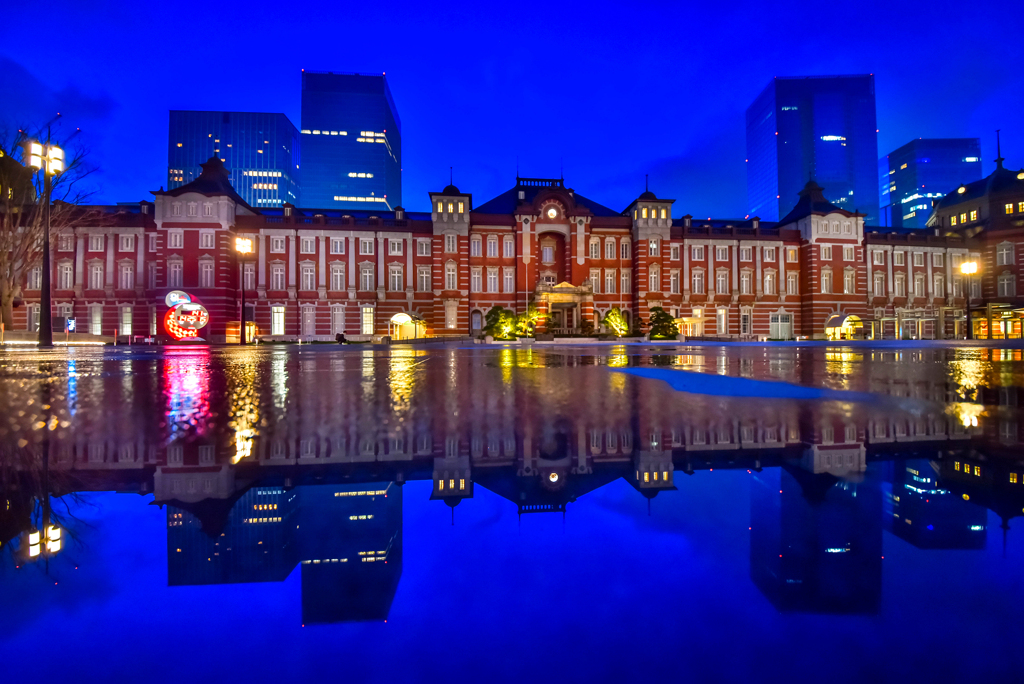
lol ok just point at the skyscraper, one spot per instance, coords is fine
(821, 128)
(352, 142)
(260, 150)
(922, 170)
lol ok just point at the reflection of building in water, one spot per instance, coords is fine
(351, 546)
(920, 511)
(348, 539)
(218, 541)
(816, 542)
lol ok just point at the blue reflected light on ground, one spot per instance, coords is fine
(609, 594)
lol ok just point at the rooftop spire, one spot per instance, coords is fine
(647, 185)
(999, 153)
(451, 175)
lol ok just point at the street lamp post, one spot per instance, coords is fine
(243, 246)
(969, 268)
(49, 159)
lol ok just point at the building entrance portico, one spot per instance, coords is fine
(566, 305)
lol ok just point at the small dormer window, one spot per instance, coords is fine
(176, 211)
(192, 209)
(207, 209)
(522, 194)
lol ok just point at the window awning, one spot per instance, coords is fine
(839, 320)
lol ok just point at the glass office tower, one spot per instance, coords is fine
(260, 150)
(352, 142)
(923, 170)
(820, 127)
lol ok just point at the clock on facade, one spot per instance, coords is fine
(552, 213)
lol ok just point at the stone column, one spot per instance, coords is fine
(322, 281)
(109, 279)
(261, 256)
(80, 265)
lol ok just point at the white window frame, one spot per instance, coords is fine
(126, 276)
(277, 244)
(207, 274)
(337, 245)
(338, 283)
(307, 277)
(278, 277)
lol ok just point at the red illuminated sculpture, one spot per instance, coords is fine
(185, 317)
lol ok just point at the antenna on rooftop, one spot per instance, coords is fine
(999, 153)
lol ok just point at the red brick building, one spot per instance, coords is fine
(314, 273)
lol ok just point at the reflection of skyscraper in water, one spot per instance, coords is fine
(920, 511)
(348, 539)
(351, 546)
(244, 539)
(816, 542)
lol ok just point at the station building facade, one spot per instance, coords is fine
(315, 273)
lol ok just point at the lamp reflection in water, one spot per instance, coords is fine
(967, 373)
(244, 406)
(967, 413)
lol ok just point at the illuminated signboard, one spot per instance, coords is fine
(185, 317)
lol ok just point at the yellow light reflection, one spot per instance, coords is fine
(966, 412)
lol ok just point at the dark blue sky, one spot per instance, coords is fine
(612, 91)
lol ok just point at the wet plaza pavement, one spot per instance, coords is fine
(604, 513)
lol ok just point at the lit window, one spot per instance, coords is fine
(1009, 208)
(643, 212)
(1013, 478)
(952, 220)
(462, 208)
(974, 214)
